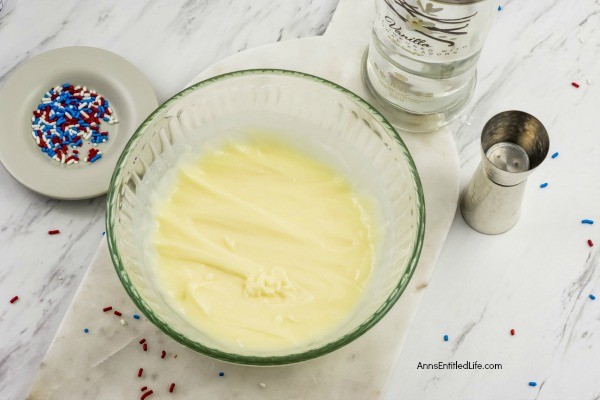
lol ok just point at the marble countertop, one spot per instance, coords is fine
(535, 279)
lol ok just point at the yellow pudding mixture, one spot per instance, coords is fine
(262, 247)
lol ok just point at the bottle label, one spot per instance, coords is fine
(438, 31)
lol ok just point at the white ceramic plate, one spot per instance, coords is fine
(131, 98)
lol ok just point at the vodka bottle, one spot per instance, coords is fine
(422, 57)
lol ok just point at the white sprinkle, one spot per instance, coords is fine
(71, 161)
(589, 81)
(262, 385)
(123, 322)
(62, 158)
(82, 105)
(85, 114)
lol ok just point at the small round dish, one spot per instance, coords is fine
(120, 82)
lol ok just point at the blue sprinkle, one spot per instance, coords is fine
(445, 338)
(135, 316)
(499, 8)
(533, 384)
(86, 330)
(543, 185)
(96, 157)
(555, 155)
(104, 233)
(66, 85)
(587, 221)
(592, 297)
(221, 373)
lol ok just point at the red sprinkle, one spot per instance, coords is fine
(118, 313)
(512, 332)
(142, 341)
(140, 372)
(575, 84)
(145, 347)
(171, 388)
(53, 232)
(163, 354)
(148, 393)
(590, 243)
(144, 388)
(14, 299)
(105, 309)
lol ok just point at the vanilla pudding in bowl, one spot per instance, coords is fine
(265, 217)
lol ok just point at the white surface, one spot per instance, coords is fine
(131, 99)
(535, 279)
(358, 371)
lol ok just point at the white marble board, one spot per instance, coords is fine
(104, 362)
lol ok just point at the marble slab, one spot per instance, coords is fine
(104, 362)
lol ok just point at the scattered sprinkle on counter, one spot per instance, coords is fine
(107, 309)
(66, 117)
(14, 300)
(543, 185)
(592, 297)
(590, 243)
(163, 354)
(103, 233)
(140, 372)
(123, 322)
(53, 232)
(555, 155)
(148, 393)
(86, 330)
(587, 221)
(142, 341)
(499, 8)
(136, 316)
(221, 373)
(172, 387)
(118, 313)
(575, 85)
(512, 332)
(145, 346)
(533, 384)
(262, 385)
(446, 338)
(144, 388)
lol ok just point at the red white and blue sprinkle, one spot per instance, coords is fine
(587, 221)
(446, 338)
(499, 8)
(66, 117)
(136, 316)
(555, 155)
(592, 297)
(543, 185)
(533, 384)
(221, 373)
(590, 243)
(14, 300)
(86, 330)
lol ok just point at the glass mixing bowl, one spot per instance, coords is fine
(308, 110)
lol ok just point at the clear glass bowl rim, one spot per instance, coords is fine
(111, 212)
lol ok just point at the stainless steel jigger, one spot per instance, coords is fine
(513, 144)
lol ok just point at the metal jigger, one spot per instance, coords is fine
(513, 144)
